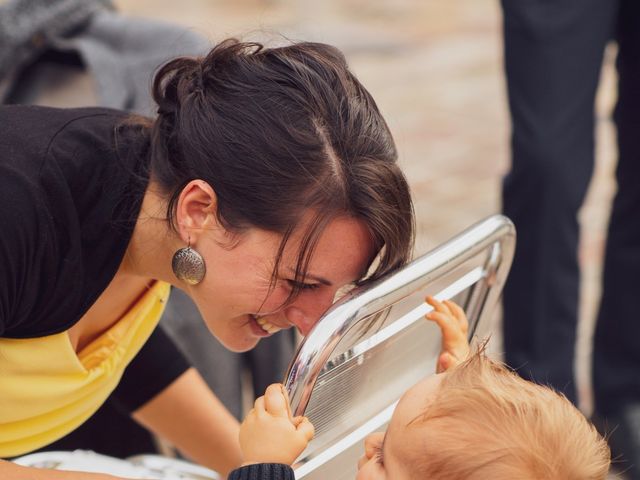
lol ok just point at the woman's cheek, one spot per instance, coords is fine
(275, 299)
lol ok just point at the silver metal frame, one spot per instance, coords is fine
(494, 235)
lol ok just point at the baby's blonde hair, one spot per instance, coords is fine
(485, 422)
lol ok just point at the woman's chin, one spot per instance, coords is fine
(239, 345)
(239, 348)
(241, 335)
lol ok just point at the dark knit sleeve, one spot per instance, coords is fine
(263, 471)
(156, 366)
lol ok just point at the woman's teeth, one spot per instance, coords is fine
(266, 326)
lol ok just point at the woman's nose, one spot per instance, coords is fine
(298, 318)
(305, 313)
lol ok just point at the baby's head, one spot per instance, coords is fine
(480, 420)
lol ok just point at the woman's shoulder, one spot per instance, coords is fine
(40, 120)
(73, 143)
(31, 132)
(68, 200)
(65, 151)
(52, 114)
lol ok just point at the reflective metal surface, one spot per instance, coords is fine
(374, 344)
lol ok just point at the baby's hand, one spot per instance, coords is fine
(454, 327)
(269, 434)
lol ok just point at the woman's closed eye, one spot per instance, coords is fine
(302, 286)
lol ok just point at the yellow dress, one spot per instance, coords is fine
(47, 390)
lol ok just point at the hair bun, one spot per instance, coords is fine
(175, 81)
(183, 77)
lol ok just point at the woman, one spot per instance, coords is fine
(267, 182)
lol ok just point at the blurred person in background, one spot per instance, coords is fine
(553, 56)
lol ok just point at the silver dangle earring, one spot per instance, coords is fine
(188, 265)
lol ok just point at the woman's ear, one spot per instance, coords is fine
(196, 210)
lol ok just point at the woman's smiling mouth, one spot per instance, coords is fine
(262, 326)
(267, 326)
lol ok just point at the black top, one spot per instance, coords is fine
(71, 187)
(68, 203)
(263, 471)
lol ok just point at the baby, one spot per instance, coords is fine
(474, 419)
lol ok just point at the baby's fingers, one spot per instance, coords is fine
(286, 397)
(304, 426)
(438, 306)
(459, 314)
(448, 360)
(275, 401)
(445, 322)
(445, 362)
(258, 406)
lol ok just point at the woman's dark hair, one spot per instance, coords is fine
(277, 133)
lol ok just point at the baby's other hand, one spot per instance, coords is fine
(454, 327)
(269, 434)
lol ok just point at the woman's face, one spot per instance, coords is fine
(237, 299)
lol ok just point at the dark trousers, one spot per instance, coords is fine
(553, 56)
